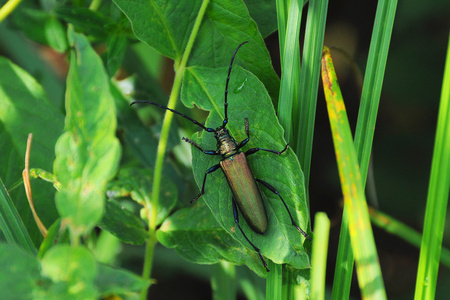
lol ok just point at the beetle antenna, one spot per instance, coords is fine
(225, 121)
(175, 112)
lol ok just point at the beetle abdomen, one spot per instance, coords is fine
(245, 191)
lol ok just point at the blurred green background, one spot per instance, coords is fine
(403, 143)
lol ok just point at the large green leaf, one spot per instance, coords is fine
(24, 109)
(166, 26)
(204, 87)
(20, 273)
(87, 154)
(197, 237)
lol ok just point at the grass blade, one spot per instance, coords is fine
(403, 231)
(11, 224)
(363, 244)
(290, 61)
(304, 114)
(289, 14)
(370, 98)
(319, 256)
(437, 199)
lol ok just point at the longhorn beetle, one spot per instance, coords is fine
(243, 184)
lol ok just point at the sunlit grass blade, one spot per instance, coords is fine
(289, 15)
(290, 66)
(437, 198)
(223, 283)
(403, 231)
(274, 281)
(305, 111)
(319, 256)
(11, 224)
(373, 81)
(362, 240)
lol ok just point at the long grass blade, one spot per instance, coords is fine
(289, 87)
(319, 256)
(11, 224)
(363, 244)
(289, 13)
(370, 99)
(404, 232)
(438, 192)
(305, 112)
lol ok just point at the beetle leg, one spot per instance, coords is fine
(254, 150)
(210, 152)
(236, 220)
(242, 144)
(210, 170)
(273, 190)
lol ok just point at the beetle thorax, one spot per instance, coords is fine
(226, 145)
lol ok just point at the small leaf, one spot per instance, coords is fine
(51, 238)
(88, 152)
(112, 281)
(123, 224)
(137, 184)
(117, 45)
(204, 87)
(55, 32)
(72, 271)
(86, 20)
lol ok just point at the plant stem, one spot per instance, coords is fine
(180, 67)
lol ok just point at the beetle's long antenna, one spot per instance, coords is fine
(175, 112)
(225, 121)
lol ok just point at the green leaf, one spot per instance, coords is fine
(204, 87)
(72, 271)
(25, 108)
(135, 135)
(265, 15)
(55, 33)
(137, 183)
(31, 21)
(87, 154)
(112, 281)
(123, 224)
(20, 273)
(117, 45)
(85, 20)
(197, 237)
(51, 238)
(227, 23)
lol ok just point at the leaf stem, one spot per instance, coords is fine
(180, 67)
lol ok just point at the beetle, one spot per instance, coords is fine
(246, 195)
